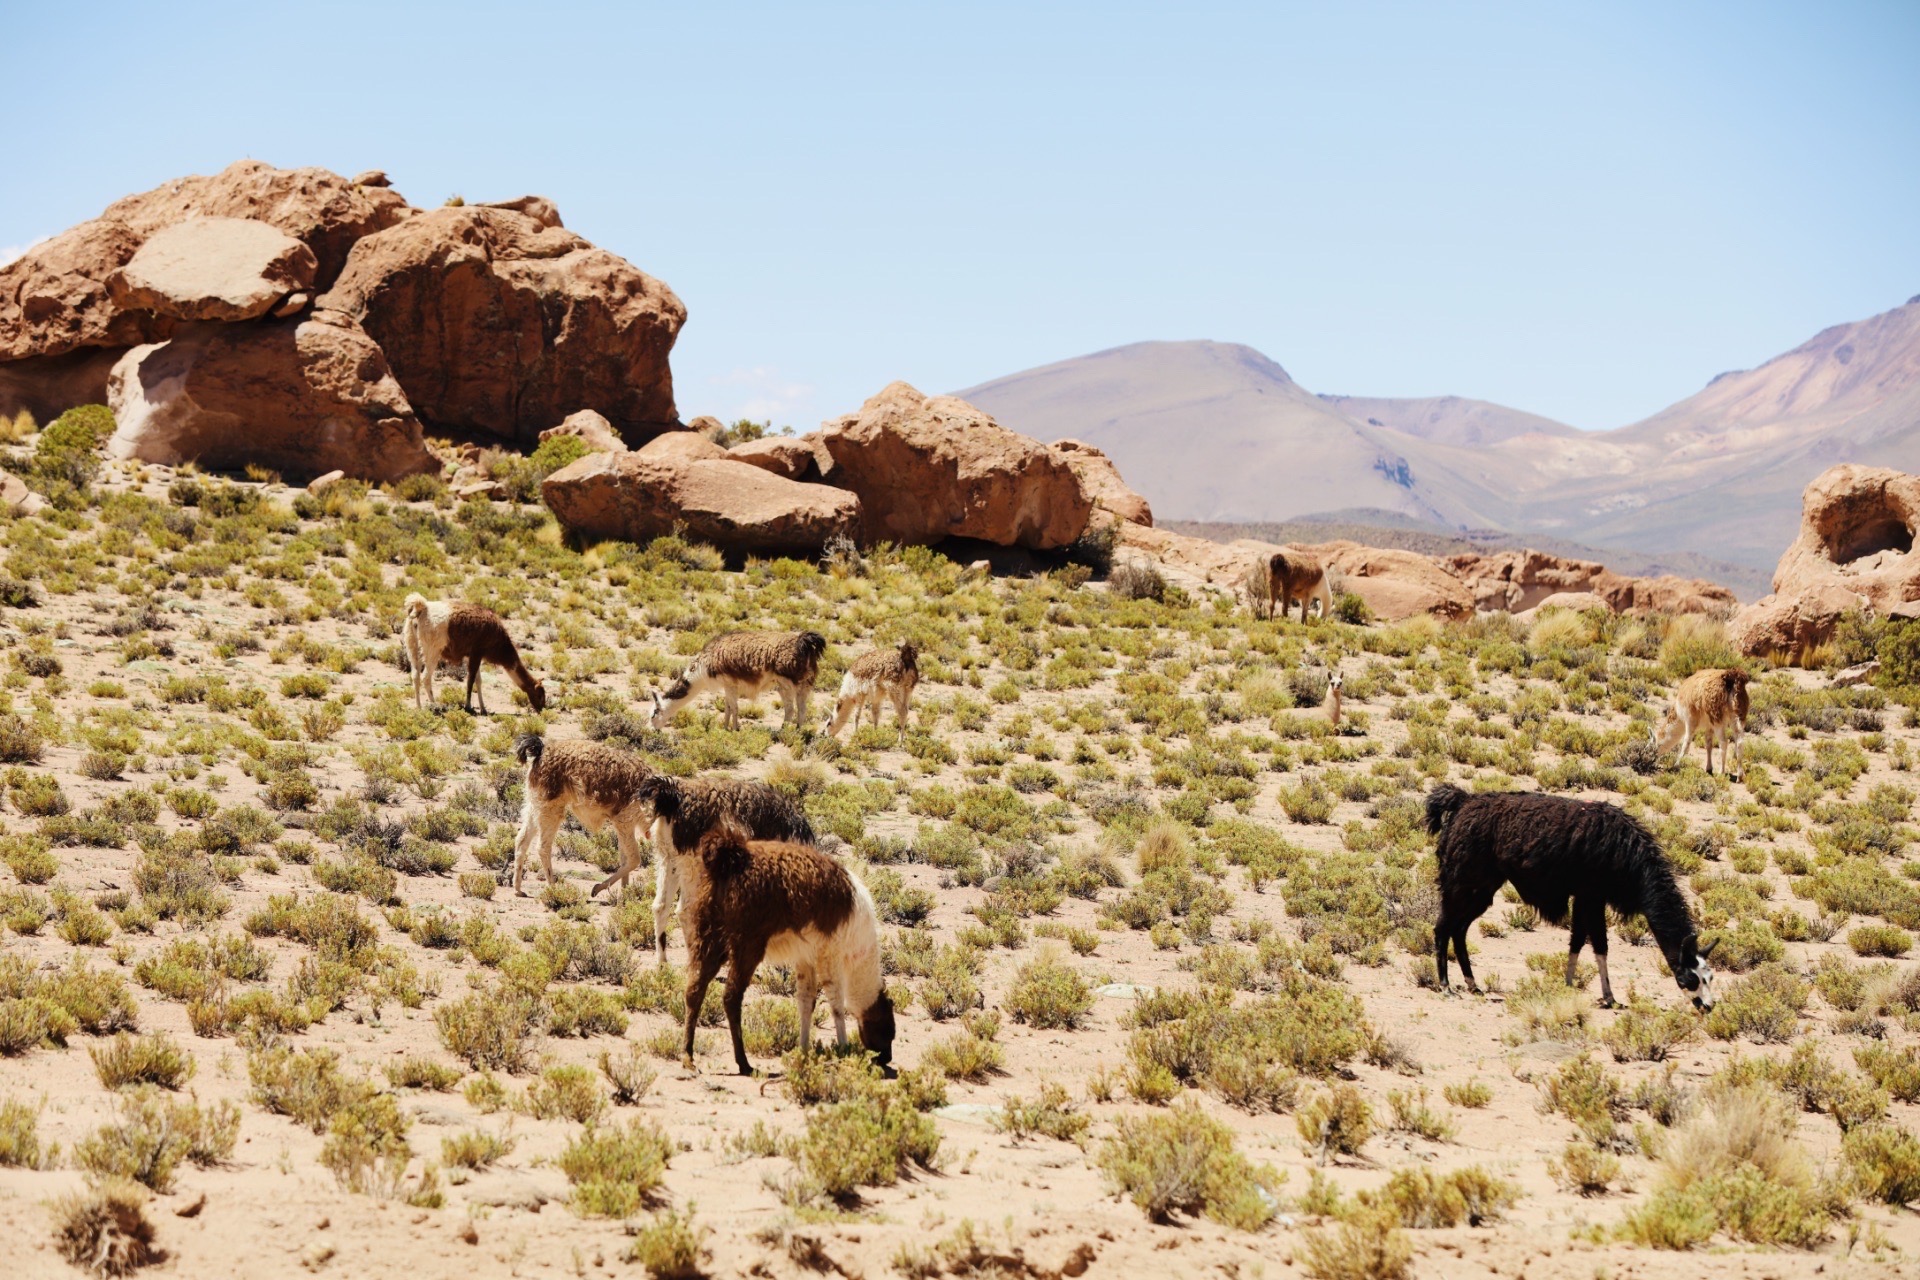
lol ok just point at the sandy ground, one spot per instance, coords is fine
(274, 1211)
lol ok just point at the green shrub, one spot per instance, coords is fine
(20, 1146)
(617, 1169)
(1765, 1006)
(1422, 1198)
(1184, 1161)
(1367, 1246)
(1337, 1120)
(1885, 1161)
(868, 1140)
(670, 1247)
(154, 1135)
(1049, 994)
(131, 1060)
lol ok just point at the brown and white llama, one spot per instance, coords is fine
(703, 804)
(452, 631)
(745, 664)
(783, 903)
(1711, 703)
(1295, 575)
(877, 677)
(600, 785)
(1334, 683)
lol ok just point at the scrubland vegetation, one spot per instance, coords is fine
(1159, 934)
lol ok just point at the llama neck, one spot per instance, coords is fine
(1333, 706)
(1665, 910)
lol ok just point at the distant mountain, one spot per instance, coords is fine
(1217, 432)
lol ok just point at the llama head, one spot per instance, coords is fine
(1668, 731)
(666, 707)
(1334, 682)
(538, 696)
(876, 1030)
(1693, 974)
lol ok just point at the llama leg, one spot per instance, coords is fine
(666, 887)
(733, 709)
(1441, 935)
(840, 716)
(806, 991)
(700, 977)
(549, 828)
(529, 826)
(739, 973)
(1590, 925)
(1733, 753)
(1460, 954)
(629, 858)
(800, 696)
(473, 678)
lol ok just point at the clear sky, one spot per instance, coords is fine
(1581, 210)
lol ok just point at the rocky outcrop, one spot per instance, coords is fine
(1518, 581)
(300, 396)
(928, 468)
(1573, 601)
(683, 446)
(739, 508)
(794, 457)
(498, 323)
(17, 498)
(214, 269)
(591, 429)
(1100, 480)
(1190, 562)
(1854, 551)
(1396, 584)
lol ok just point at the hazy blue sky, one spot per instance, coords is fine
(1585, 211)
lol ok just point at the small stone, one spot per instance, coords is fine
(320, 484)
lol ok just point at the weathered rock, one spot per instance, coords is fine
(498, 324)
(1395, 584)
(371, 178)
(17, 498)
(1858, 673)
(682, 446)
(320, 484)
(1792, 624)
(1517, 581)
(301, 396)
(1667, 594)
(1856, 529)
(929, 468)
(61, 329)
(1575, 601)
(213, 269)
(1100, 480)
(480, 487)
(734, 506)
(707, 425)
(295, 302)
(1195, 563)
(795, 457)
(539, 208)
(592, 429)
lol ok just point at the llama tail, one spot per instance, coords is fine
(910, 655)
(529, 747)
(813, 644)
(728, 835)
(1734, 681)
(1442, 801)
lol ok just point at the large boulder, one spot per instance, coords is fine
(591, 429)
(1854, 552)
(214, 269)
(794, 457)
(1190, 562)
(1396, 584)
(683, 446)
(497, 322)
(928, 468)
(56, 297)
(739, 508)
(1667, 594)
(1100, 480)
(300, 396)
(1515, 581)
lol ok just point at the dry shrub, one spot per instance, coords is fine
(105, 1230)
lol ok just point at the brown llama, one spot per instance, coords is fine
(750, 901)
(451, 631)
(875, 678)
(601, 785)
(1712, 703)
(1295, 575)
(745, 664)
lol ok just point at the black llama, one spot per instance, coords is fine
(1569, 859)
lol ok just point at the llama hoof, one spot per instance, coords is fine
(1608, 1002)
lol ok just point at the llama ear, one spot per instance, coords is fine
(1706, 952)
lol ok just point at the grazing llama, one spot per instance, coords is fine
(875, 678)
(750, 901)
(702, 804)
(599, 784)
(450, 631)
(1334, 682)
(745, 664)
(1713, 704)
(1569, 859)
(1295, 575)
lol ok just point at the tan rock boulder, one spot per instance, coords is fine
(1396, 584)
(591, 429)
(1574, 601)
(301, 396)
(1668, 594)
(539, 208)
(499, 324)
(1857, 530)
(1792, 624)
(213, 269)
(739, 508)
(17, 498)
(683, 446)
(1515, 581)
(932, 467)
(1100, 480)
(794, 457)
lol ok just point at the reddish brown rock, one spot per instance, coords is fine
(17, 498)
(300, 396)
(1195, 563)
(1857, 531)
(794, 457)
(683, 446)
(1790, 625)
(497, 324)
(635, 497)
(1100, 480)
(1517, 581)
(539, 208)
(49, 387)
(1572, 601)
(592, 429)
(927, 468)
(1395, 584)
(213, 269)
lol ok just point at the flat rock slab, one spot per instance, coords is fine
(969, 1113)
(214, 269)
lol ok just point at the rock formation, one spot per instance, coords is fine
(928, 468)
(214, 269)
(591, 429)
(1100, 480)
(635, 497)
(1854, 551)
(300, 396)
